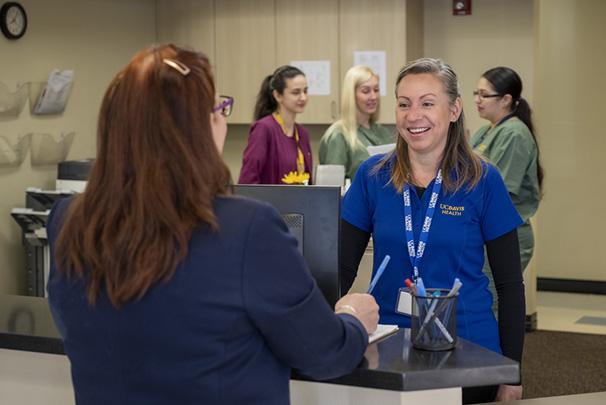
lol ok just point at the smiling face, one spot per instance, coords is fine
(294, 97)
(368, 96)
(424, 114)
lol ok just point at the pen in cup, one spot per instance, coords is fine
(380, 271)
(455, 288)
(430, 319)
(421, 287)
(440, 308)
(412, 286)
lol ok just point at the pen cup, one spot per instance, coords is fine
(434, 321)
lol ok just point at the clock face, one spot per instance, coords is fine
(13, 20)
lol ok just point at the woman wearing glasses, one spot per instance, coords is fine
(345, 141)
(276, 144)
(165, 288)
(510, 143)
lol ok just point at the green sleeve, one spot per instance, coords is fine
(334, 149)
(512, 156)
(384, 135)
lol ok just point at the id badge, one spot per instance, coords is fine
(404, 303)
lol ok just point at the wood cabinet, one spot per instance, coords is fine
(248, 39)
(245, 37)
(187, 23)
(309, 30)
(381, 25)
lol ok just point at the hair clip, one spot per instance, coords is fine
(179, 66)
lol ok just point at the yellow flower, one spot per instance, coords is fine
(296, 178)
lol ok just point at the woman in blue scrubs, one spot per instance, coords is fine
(432, 205)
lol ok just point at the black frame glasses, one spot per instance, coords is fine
(226, 104)
(482, 97)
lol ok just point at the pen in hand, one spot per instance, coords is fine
(380, 271)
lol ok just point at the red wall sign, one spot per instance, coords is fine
(461, 7)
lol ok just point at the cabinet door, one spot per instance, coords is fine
(380, 25)
(187, 23)
(309, 31)
(245, 51)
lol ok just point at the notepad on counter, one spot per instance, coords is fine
(382, 332)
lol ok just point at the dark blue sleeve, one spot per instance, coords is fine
(53, 226)
(283, 301)
(504, 258)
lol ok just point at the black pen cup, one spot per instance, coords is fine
(434, 320)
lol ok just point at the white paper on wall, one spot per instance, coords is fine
(317, 73)
(376, 60)
(54, 96)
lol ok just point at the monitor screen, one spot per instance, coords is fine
(313, 215)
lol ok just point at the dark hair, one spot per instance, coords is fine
(266, 102)
(507, 81)
(156, 174)
(458, 159)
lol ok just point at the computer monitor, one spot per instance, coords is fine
(313, 215)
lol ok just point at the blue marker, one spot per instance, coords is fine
(378, 274)
(421, 287)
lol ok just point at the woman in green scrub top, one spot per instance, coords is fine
(345, 141)
(510, 143)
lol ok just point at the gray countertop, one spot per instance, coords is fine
(391, 364)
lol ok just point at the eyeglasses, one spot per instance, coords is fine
(483, 96)
(225, 105)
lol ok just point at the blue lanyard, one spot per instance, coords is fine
(416, 254)
(479, 141)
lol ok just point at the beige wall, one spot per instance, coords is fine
(497, 33)
(557, 48)
(570, 86)
(95, 38)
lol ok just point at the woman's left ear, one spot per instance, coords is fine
(507, 100)
(456, 109)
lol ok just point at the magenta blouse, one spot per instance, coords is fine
(270, 154)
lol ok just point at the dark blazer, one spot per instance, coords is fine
(241, 310)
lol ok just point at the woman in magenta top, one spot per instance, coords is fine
(276, 144)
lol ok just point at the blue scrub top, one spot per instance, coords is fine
(462, 223)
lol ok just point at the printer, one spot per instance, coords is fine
(71, 179)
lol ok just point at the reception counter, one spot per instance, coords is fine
(391, 372)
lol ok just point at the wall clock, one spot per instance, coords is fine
(13, 20)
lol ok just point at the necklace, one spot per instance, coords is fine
(300, 158)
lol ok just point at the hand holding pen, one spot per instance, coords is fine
(362, 306)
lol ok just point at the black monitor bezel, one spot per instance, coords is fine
(321, 210)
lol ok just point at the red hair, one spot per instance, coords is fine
(156, 174)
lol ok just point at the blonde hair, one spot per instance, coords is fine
(348, 122)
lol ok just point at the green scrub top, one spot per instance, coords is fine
(335, 150)
(512, 149)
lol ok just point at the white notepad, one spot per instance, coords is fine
(382, 332)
